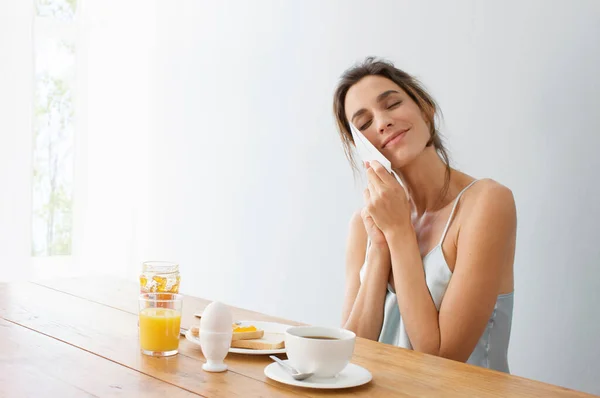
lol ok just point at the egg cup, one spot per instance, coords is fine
(215, 347)
(215, 336)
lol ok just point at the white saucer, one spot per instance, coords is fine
(352, 376)
(268, 327)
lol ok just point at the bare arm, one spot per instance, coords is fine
(485, 247)
(356, 248)
(363, 303)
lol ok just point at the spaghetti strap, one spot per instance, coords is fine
(452, 212)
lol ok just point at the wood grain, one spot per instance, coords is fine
(396, 371)
(123, 294)
(112, 334)
(34, 365)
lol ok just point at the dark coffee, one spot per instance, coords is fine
(321, 337)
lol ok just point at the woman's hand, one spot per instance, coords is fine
(375, 235)
(386, 202)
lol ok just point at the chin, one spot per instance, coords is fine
(399, 162)
(403, 158)
(406, 155)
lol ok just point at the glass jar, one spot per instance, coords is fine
(159, 277)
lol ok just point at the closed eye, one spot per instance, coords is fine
(395, 104)
(391, 106)
(364, 126)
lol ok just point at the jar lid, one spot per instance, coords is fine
(162, 267)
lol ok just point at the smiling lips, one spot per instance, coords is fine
(394, 137)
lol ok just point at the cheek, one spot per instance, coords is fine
(371, 135)
(420, 126)
(423, 131)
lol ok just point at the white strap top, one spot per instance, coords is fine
(492, 347)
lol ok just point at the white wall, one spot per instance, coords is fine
(16, 93)
(250, 190)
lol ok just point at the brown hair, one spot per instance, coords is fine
(372, 66)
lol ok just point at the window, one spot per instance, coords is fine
(93, 76)
(55, 49)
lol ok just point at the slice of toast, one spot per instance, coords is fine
(269, 341)
(256, 334)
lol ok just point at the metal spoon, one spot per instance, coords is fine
(293, 372)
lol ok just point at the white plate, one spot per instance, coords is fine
(268, 327)
(352, 376)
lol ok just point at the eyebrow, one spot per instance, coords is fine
(380, 98)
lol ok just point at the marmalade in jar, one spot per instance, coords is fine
(159, 277)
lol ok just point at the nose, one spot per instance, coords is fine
(384, 122)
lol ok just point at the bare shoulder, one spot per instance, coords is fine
(356, 246)
(488, 200)
(487, 232)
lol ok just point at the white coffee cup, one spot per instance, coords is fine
(320, 350)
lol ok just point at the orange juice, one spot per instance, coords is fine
(159, 329)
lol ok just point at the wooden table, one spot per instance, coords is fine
(78, 338)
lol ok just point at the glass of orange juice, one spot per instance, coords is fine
(159, 323)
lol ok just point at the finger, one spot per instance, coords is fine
(364, 213)
(367, 197)
(381, 172)
(374, 181)
(371, 171)
(367, 219)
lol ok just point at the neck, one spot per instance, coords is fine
(424, 178)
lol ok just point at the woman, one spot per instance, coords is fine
(432, 270)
